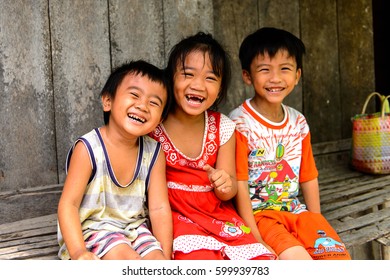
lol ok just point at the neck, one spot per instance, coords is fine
(112, 137)
(184, 118)
(273, 113)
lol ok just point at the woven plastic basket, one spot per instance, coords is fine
(371, 139)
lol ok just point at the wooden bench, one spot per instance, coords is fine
(34, 238)
(358, 207)
(356, 204)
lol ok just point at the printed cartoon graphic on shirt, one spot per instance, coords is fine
(272, 181)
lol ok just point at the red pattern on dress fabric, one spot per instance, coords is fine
(200, 220)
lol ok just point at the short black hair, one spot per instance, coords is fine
(136, 67)
(270, 40)
(205, 43)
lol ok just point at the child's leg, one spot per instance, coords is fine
(278, 231)
(121, 252)
(146, 245)
(154, 255)
(295, 253)
(110, 245)
(116, 246)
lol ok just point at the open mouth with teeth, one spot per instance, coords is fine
(136, 118)
(194, 98)
(274, 89)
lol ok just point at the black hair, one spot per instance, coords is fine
(142, 67)
(205, 43)
(269, 40)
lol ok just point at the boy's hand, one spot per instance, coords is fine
(86, 255)
(219, 179)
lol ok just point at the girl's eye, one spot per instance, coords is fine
(213, 78)
(186, 74)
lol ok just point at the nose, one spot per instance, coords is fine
(198, 84)
(141, 105)
(275, 76)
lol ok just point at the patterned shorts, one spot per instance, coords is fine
(102, 241)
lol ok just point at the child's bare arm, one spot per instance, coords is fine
(311, 194)
(244, 208)
(159, 208)
(68, 208)
(223, 176)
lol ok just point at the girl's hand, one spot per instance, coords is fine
(219, 179)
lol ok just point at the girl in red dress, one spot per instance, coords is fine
(199, 145)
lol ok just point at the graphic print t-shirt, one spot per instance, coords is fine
(273, 157)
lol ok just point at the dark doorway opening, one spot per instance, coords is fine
(381, 23)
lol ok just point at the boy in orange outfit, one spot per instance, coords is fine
(274, 155)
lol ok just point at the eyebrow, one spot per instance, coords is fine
(268, 64)
(193, 68)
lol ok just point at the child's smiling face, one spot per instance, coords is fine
(196, 86)
(137, 106)
(273, 78)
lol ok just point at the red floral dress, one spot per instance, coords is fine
(200, 220)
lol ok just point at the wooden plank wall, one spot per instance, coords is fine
(56, 55)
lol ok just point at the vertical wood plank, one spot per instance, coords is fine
(81, 65)
(185, 17)
(27, 137)
(242, 18)
(285, 15)
(137, 31)
(356, 59)
(321, 83)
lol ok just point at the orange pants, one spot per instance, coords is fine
(282, 230)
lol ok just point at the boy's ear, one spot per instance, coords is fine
(106, 101)
(246, 77)
(299, 73)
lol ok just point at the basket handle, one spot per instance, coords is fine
(368, 99)
(384, 105)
